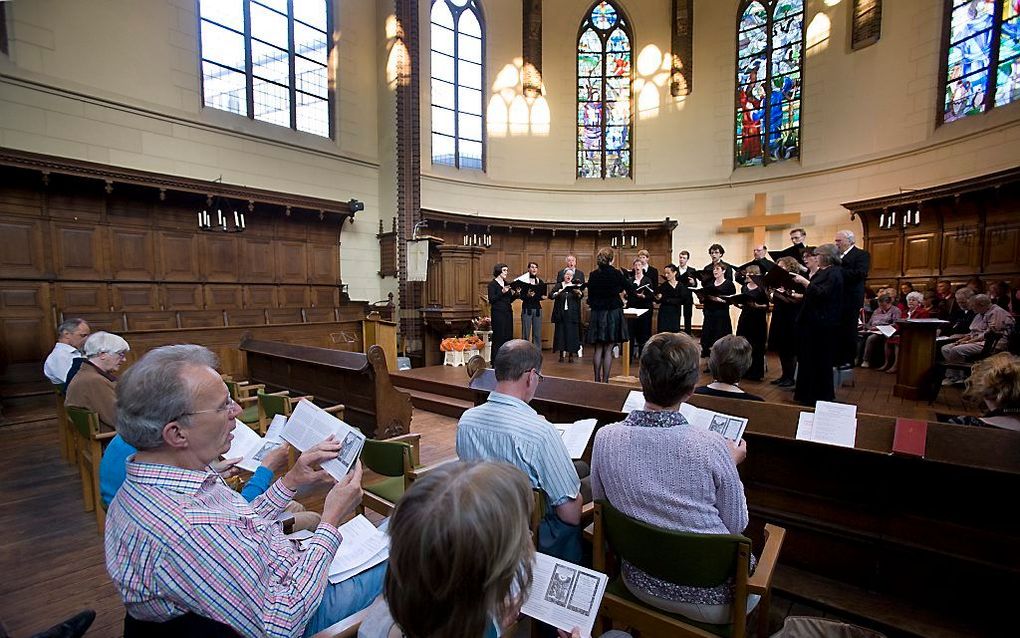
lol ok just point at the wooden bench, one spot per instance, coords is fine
(360, 382)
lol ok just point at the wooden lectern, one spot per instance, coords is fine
(916, 358)
(451, 295)
(376, 331)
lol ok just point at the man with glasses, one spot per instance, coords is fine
(506, 429)
(184, 549)
(92, 383)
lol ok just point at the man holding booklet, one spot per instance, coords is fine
(182, 546)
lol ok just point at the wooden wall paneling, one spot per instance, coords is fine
(108, 321)
(886, 255)
(223, 297)
(1002, 232)
(285, 315)
(131, 253)
(258, 260)
(220, 257)
(291, 263)
(78, 200)
(154, 320)
(920, 254)
(128, 206)
(78, 251)
(22, 255)
(247, 317)
(325, 296)
(82, 297)
(261, 297)
(27, 330)
(21, 194)
(200, 319)
(961, 254)
(178, 256)
(320, 315)
(515, 252)
(183, 297)
(293, 297)
(135, 297)
(323, 267)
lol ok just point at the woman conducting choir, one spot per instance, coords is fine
(716, 311)
(753, 322)
(606, 325)
(670, 296)
(818, 325)
(501, 296)
(640, 294)
(566, 316)
(783, 330)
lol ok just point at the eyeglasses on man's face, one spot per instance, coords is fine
(227, 406)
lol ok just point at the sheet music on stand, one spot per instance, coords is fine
(310, 425)
(564, 595)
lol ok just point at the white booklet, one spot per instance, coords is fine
(731, 427)
(888, 331)
(310, 425)
(363, 546)
(564, 595)
(251, 447)
(634, 312)
(576, 435)
(635, 401)
(831, 423)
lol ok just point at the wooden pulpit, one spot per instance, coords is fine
(376, 331)
(451, 294)
(916, 358)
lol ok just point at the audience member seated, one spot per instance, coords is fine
(999, 293)
(885, 315)
(94, 385)
(988, 318)
(113, 471)
(179, 541)
(915, 310)
(977, 285)
(960, 316)
(930, 303)
(728, 360)
(656, 468)
(945, 299)
(905, 289)
(506, 429)
(995, 384)
(71, 336)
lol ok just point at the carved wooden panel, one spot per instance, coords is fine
(82, 297)
(108, 321)
(135, 297)
(82, 203)
(885, 256)
(182, 297)
(19, 196)
(220, 257)
(22, 254)
(78, 252)
(178, 256)
(1003, 248)
(960, 254)
(313, 315)
(293, 297)
(258, 262)
(249, 317)
(260, 297)
(285, 315)
(291, 262)
(325, 296)
(920, 254)
(200, 318)
(131, 208)
(131, 254)
(223, 297)
(322, 264)
(158, 320)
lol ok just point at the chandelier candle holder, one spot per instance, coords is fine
(222, 221)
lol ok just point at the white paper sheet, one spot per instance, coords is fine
(731, 427)
(888, 331)
(275, 431)
(249, 446)
(635, 401)
(835, 423)
(564, 595)
(634, 312)
(576, 435)
(363, 547)
(309, 425)
(805, 426)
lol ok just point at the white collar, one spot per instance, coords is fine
(844, 253)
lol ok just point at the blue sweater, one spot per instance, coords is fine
(112, 472)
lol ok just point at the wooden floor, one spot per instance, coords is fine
(51, 556)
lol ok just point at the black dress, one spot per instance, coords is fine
(753, 326)
(640, 327)
(688, 280)
(669, 306)
(502, 316)
(783, 331)
(566, 318)
(712, 392)
(605, 322)
(818, 331)
(717, 322)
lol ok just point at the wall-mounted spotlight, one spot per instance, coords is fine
(355, 205)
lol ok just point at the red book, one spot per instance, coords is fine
(910, 437)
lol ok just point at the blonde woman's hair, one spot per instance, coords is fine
(996, 378)
(605, 256)
(789, 264)
(460, 550)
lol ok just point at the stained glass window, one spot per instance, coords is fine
(267, 60)
(458, 41)
(604, 94)
(770, 50)
(982, 63)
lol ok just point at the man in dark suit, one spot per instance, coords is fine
(855, 265)
(796, 250)
(571, 262)
(761, 260)
(650, 271)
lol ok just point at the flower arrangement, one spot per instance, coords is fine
(460, 344)
(482, 324)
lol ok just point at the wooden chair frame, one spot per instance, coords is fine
(652, 622)
(89, 442)
(65, 432)
(411, 463)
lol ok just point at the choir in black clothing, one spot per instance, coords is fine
(716, 251)
(818, 325)
(566, 316)
(753, 323)
(671, 296)
(688, 278)
(640, 294)
(783, 329)
(716, 311)
(606, 325)
(501, 298)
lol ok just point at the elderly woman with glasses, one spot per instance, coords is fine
(91, 381)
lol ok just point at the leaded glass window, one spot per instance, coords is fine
(458, 40)
(268, 60)
(604, 123)
(770, 51)
(981, 66)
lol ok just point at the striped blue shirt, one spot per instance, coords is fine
(508, 430)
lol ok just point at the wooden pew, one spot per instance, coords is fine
(901, 542)
(360, 382)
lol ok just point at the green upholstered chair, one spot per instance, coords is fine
(699, 560)
(244, 394)
(89, 443)
(396, 461)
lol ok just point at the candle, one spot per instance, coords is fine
(206, 213)
(242, 221)
(219, 217)
(237, 220)
(200, 219)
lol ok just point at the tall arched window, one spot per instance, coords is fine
(458, 41)
(981, 62)
(267, 60)
(603, 94)
(770, 51)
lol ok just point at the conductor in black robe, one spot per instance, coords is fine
(818, 326)
(855, 266)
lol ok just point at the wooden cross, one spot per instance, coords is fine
(759, 220)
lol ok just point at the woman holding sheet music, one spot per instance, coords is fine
(566, 316)
(716, 311)
(640, 294)
(753, 322)
(786, 301)
(501, 296)
(670, 296)
(817, 326)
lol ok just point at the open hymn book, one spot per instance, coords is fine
(576, 435)
(310, 425)
(564, 595)
(731, 427)
(252, 448)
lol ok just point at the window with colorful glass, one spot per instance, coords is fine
(267, 60)
(770, 51)
(604, 124)
(458, 40)
(982, 60)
